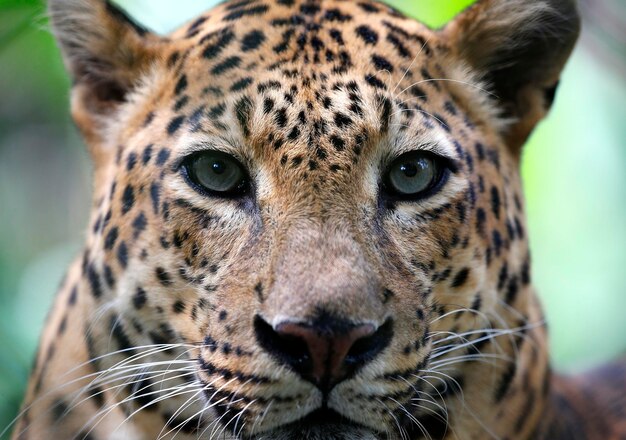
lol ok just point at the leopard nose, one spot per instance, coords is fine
(325, 352)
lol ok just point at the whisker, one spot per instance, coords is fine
(408, 69)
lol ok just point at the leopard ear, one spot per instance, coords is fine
(105, 52)
(519, 47)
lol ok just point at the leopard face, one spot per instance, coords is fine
(312, 211)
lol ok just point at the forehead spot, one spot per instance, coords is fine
(226, 65)
(241, 84)
(252, 40)
(255, 10)
(382, 63)
(213, 50)
(367, 34)
(175, 124)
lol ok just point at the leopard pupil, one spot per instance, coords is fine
(409, 169)
(218, 167)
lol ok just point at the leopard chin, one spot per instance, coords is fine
(322, 424)
(324, 432)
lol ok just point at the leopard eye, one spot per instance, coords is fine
(416, 175)
(216, 173)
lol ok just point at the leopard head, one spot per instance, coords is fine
(315, 207)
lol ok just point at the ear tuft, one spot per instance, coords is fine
(520, 48)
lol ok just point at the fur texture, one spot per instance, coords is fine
(168, 325)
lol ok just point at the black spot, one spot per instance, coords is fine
(252, 40)
(480, 151)
(140, 298)
(60, 409)
(139, 224)
(175, 124)
(495, 202)
(256, 10)
(497, 241)
(296, 160)
(131, 161)
(372, 80)
(108, 276)
(381, 63)
(94, 281)
(181, 85)
(503, 276)
(163, 156)
(341, 120)
(181, 103)
(336, 35)
(338, 143)
(213, 50)
(164, 278)
(226, 65)
(217, 111)
(73, 296)
(223, 315)
(368, 7)
(481, 219)
(400, 47)
(259, 292)
(525, 273)
(477, 303)
(268, 105)
(147, 154)
(460, 278)
(511, 291)
(196, 24)
(243, 109)
(110, 239)
(241, 84)
(122, 254)
(419, 93)
(269, 85)
(443, 123)
(367, 34)
(385, 117)
(178, 307)
(281, 117)
(294, 133)
(173, 59)
(149, 119)
(336, 15)
(120, 337)
(505, 382)
(128, 199)
(155, 195)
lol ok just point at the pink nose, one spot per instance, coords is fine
(323, 354)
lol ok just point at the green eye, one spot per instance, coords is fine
(415, 174)
(216, 173)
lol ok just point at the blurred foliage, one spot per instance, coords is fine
(573, 173)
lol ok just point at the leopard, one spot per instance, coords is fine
(308, 222)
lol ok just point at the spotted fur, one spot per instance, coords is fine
(162, 327)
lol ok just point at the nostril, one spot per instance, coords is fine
(288, 349)
(367, 348)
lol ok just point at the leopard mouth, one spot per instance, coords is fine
(321, 424)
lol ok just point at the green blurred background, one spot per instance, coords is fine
(572, 168)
